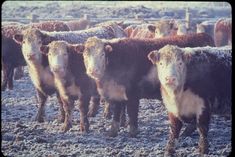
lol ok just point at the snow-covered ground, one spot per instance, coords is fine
(22, 136)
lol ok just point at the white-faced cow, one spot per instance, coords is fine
(71, 80)
(191, 79)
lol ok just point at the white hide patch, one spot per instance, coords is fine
(184, 103)
(70, 90)
(113, 90)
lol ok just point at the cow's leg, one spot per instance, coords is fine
(61, 116)
(83, 109)
(107, 113)
(132, 110)
(4, 79)
(18, 72)
(123, 116)
(175, 127)
(93, 106)
(203, 127)
(41, 98)
(116, 119)
(68, 106)
(10, 72)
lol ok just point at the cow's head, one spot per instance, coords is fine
(58, 53)
(162, 28)
(31, 40)
(95, 57)
(171, 66)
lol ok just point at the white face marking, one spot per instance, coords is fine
(58, 58)
(171, 72)
(113, 90)
(31, 49)
(94, 59)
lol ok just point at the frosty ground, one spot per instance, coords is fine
(22, 136)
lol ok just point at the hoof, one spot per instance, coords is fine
(113, 132)
(203, 146)
(133, 131)
(66, 127)
(84, 128)
(39, 119)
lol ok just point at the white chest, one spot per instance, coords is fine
(113, 91)
(185, 103)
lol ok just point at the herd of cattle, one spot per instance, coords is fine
(188, 69)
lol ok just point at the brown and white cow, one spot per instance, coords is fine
(119, 66)
(223, 32)
(71, 80)
(190, 80)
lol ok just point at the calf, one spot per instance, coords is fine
(119, 67)
(223, 32)
(190, 80)
(71, 80)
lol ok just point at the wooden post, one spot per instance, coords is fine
(187, 18)
(34, 18)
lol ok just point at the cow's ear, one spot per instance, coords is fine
(44, 49)
(152, 28)
(108, 48)
(78, 48)
(18, 38)
(154, 56)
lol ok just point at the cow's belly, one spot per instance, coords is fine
(113, 91)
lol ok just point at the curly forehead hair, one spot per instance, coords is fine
(171, 51)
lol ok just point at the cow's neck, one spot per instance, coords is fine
(40, 75)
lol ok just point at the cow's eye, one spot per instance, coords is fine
(160, 63)
(23, 41)
(102, 55)
(180, 63)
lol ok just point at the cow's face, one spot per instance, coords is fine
(58, 57)
(163, 28)
(171, 66)
(31, 41)
(58, 53)
(95, 57)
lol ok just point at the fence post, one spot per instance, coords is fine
(34, 18)
(187, 18)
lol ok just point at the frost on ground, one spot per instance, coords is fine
(22, 136)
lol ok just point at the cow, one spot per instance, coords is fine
(119, 67)
(191, 78)
(71, 80)
(223, 32)
(80, 24)
(11, 52)
(139, 31)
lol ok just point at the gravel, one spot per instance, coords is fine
(22, 136)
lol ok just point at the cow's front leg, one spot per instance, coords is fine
(83, 109)
(113, 132)
(68, 106)
(132, 110)
(203, 127)
(41, 98)
(61, 116)
(175, 127)
(93, 106)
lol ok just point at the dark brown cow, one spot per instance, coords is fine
(119, 66)
(223, 32)
(190, 80)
